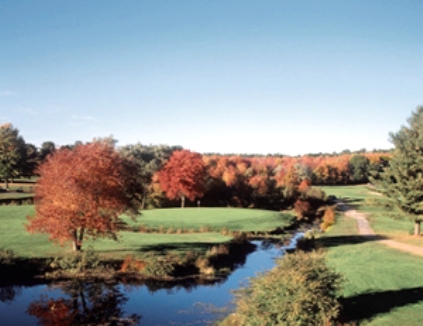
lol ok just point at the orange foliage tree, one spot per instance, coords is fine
(81, 193)
(183, 176)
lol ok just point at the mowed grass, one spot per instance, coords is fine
(13, 235)
(234, 219)
(380, 218)
(8, 195)
(383, 286)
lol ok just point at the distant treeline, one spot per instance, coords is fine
(268, 181)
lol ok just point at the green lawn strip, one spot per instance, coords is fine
(141, 244)
(235, 219)
(7, 195)
(13, 235)
(383, 286)
(356, 193)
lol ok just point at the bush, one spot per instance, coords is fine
(328, 218)
(300, 290)
(7, 256)
(302, 209)
(77, 263)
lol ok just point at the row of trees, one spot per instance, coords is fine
(267, 182)
(19, 159)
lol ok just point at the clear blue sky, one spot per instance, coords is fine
(247, 76)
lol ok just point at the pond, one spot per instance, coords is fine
(82, 303)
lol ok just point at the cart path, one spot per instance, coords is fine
(365, 229)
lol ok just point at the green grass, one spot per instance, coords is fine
(380, 218)
(8, 195)
(356, 193)
(13, 235)
(235, 219)
(383, 287)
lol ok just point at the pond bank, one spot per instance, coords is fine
(148, 302)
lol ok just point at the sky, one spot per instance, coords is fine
(250, 76)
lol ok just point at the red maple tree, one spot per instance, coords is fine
(81, 193)
(183, 176)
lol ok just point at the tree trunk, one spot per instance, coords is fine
(77, 241)
(76, 246)
(416, 228)
(182, 201)
(144, 196)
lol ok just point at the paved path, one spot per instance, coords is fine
(365, 229)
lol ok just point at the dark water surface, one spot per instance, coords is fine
(148, 304)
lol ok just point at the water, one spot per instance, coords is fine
(149, 304)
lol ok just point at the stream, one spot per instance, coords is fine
(82, 303)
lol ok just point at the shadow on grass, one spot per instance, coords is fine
(341, 240)
(368, 305)
(165, 247)
(182, 246)
(347, 204)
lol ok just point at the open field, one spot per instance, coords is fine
(383, 286)
(13, 235)
(362, 199)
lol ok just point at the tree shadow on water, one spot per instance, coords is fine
(367, 305)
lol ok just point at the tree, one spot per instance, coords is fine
(11, 147)
(81, 193)
(358, 167)
(183, 176)
(47, 148)
(29, 160)
(402, 180)
(150, 159)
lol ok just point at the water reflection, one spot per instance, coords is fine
(9, 293)
(83, 304)
(188, 301)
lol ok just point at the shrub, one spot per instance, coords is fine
(7, 256)
(302, 209)
(300, 290)
(76, 263)
(158, 268)
(130, 264)
(328, 218)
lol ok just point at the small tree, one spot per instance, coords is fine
(81, 193)
(183, 176)
(402, 180)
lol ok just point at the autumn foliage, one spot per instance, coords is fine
(81, 193)
(183, 176)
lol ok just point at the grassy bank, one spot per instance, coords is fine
(384, 286)
(14, 237)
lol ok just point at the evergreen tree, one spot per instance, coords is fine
(358, 167)
(402, 180)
